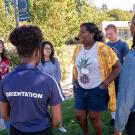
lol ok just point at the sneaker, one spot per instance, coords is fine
(62, 129)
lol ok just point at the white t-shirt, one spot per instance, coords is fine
(89, 75)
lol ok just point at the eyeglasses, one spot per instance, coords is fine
(48, 48)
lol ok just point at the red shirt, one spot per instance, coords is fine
(4, 67)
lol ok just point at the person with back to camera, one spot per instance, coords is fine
(26, 92)
(95, 68)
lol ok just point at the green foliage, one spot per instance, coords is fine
(59, 21)
(120, 15)
(72, 125)
(13, 58)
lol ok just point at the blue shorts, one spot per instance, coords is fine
(95, 99)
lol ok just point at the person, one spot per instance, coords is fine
(120, 48)
(125, 112)
(4, 69)
(4, 61)
(26, 92)
(95, 68)
(50, 65)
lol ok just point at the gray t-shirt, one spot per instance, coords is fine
(53, 69)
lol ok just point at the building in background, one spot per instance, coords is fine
(122, 26)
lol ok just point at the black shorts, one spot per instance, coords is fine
(14, 131)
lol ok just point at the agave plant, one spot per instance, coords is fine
(83, 63)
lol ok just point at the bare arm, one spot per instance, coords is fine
(56, 115)
(115, 72)
(5, 110)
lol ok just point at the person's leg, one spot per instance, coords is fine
(97, 102)
(130, 127)
(95, 118)
(81, 116)
(61, 127)
(80, 107)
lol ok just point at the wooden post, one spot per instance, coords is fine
(16, 13)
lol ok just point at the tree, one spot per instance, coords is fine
(59, 21)
(120, 15)
(104, 7)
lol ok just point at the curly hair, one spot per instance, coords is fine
(52, 59)
(27, 39)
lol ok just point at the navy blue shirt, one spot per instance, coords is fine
(120, 48)
(29, 92)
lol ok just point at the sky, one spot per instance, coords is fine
(121, 4)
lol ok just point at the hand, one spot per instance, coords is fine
(117, 133)
(103, 85)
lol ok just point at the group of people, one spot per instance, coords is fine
(47, 64)
(27, 92)
(102, 73)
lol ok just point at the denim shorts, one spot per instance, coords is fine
(95, 99)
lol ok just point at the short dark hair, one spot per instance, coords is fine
(111, 26)
(52, 59)
(27, 39)
(92, 28)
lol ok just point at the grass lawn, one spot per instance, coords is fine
(71, 124)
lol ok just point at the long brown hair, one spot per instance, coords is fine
(51, 57)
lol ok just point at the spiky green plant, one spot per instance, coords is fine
(83, 63)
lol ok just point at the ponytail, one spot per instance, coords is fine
(98, 36)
